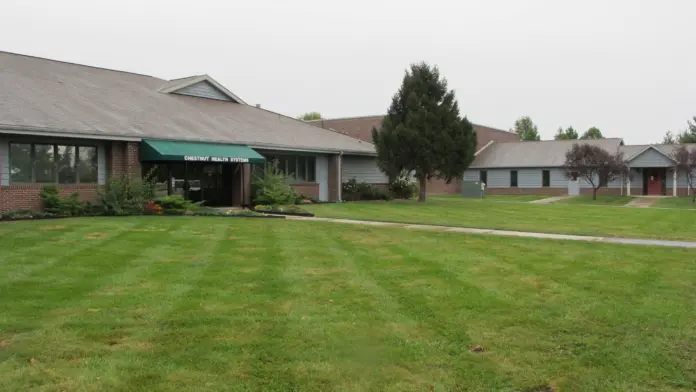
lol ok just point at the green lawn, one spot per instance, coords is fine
(511, 198)
(547, 218)
(209, 304)
(601, 200)
(675, 202)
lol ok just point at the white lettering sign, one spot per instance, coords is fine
(193, 158)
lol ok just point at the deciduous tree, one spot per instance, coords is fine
(309, 116)
(592, 133)
(423, 132)
(669, 138)
(595, 165)
(526, 129)
(686, 163)
(568, 134)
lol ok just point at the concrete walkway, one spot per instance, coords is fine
(467, 230)
(550, 200)
(642, 202)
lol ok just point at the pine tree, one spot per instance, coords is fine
(423, 132)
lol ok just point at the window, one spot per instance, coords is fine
(483, 176)
(296, 168)
(513, 178)
(51, 163)
(545, 178)
(20, 163)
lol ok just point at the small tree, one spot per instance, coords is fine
(271, 187)
(310, 116)
(592, 133)
(595, 165)
(686, 163)
(526, 129)
(423, 131)
(568, 134)
(669, 138)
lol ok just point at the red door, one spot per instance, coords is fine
(654, 184)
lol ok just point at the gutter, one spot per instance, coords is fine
(54, 132)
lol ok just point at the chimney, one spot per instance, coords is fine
(258, 105)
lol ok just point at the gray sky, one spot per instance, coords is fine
(625, 66)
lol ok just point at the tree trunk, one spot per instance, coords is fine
(421, 195)
(594, 193)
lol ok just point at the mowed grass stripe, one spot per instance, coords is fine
(424, 291)
(549, 218)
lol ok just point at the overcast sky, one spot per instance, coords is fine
(625, 66)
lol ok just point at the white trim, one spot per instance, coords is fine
(484, 147)
(202, 78)
(674, 182)
(628, 186)
(34, 131)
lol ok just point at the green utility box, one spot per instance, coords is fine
(472, 189)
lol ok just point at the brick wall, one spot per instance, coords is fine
(120, 157)
(309, 190)
(527, 191)
(437, 186)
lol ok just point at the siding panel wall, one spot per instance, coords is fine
(203, 90)
(651, 158)
(362, 169)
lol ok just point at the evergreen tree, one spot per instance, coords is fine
(423, 132)
(526, 129)
(568, 134)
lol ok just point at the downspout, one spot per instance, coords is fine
(339, 175)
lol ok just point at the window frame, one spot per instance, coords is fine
(546, 178)
(514, 175)
(302, 167)
(54, 145)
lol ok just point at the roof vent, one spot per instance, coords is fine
(258, 105)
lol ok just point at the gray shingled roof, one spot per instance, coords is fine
(58, 97)
(631, 152)
(548, 153)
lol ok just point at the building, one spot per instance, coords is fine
(76, 126)
(537, 168)
(363, 169)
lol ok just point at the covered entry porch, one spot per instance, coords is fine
(216, 174)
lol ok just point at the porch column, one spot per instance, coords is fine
(628, 185)
(674, 183)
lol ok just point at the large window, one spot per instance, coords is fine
(53, 163)
(545, 178)
(513, 178)
(297, 168)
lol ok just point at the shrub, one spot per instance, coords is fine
(26, 214)
(72, 205)
(126, 195)
(276, 208)
(355, 191)
(271, 187)
(50, 199)
(403, 188)
(175, 204)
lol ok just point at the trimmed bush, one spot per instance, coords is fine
(356, 191)
(50, 199)
(403, 188)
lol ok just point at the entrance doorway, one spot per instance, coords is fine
(654, 181)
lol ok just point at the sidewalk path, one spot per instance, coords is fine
(467, 230)
(550, 200)
(642, 202)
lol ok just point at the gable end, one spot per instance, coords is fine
(203, 90)
(651, 157)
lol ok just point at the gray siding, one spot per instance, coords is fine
(5, 156)
(322, 175)
(526, 178)
(681, 179)
(651, 158)
(362, 169)
(203, 90)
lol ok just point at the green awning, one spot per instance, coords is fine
(168, 150)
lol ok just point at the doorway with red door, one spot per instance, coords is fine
(654, 181)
